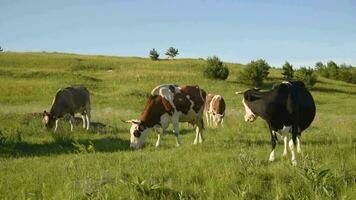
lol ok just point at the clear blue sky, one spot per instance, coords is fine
(300, 31)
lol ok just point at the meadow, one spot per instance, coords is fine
(232, 162)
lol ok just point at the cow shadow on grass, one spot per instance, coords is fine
(261, 142)
(25, 149)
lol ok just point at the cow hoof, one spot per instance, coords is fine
(195, 142)
(294, 162)
(177, 145)
(284, 154)
(271, 159)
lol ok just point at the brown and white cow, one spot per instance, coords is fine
(69, 101)
(169, 104)
(214, 110)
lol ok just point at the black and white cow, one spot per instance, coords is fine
(287, 107)
(169, 104)
(69, 101)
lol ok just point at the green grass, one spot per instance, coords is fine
(232, 163)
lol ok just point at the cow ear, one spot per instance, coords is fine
(44, 113)
(141, 127)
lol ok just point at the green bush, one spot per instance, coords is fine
(154, 54)
(216, 69)
(306, 75)
(288, 71)
(255, 72)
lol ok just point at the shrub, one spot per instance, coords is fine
(306, 75)
(255, 72)
(172, 52)
(216, 69)
(288, 71)
(332, 69)
(154, 54)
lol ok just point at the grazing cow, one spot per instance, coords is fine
(214, 110)
(287, 107)
(69, 101)
(169, 103)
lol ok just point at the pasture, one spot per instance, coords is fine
(232, 162)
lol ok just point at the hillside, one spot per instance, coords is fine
(231, 164)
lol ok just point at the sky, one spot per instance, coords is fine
(299, 31)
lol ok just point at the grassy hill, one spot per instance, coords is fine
(232, 163)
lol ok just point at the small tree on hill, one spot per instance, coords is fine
(255, 72)
(306, 75)
(154, 54)
(321, 69)
(216, 69)
(172, 52)
(1, 49)
(332, 69)
(287, 71)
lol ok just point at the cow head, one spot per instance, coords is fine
(247, 101)
(138, 132)
(48, 119)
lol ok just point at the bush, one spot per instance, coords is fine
(255, 72)
(216, 69)
(172, 52)
(332, 69)
(154, 54)
(288, 71)
(307, 76)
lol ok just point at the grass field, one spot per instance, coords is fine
(232, 163)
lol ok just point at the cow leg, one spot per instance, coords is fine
(207, 118)
(272, 156)
(222, 122)
(71, 121)
(176, 132)
(292, 144)
(84, 120)
(298, 145)
(159, 137)
(88, 116)
(56, 126)
(285, 141)
(200, 129)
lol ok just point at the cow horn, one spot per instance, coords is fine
(239, 92)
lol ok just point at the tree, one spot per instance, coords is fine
(332, 69)
(321, 69)
(154, 54)
(306, 75)
(255, 72)
(215, 69)
(287, 71)
(172, 52)
(1, 49)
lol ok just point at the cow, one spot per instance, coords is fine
(214, 110)
(169, 103)
(287, 107)
(69, 101)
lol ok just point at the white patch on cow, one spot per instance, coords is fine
(56, 126)
(294, 158)
(84, 121)
(88, 121)
(137, 142)
(45, 119)
(158, 143)
(299, 150)
(286, 129)
(249, 115)
(272, 156)
(285, 141)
